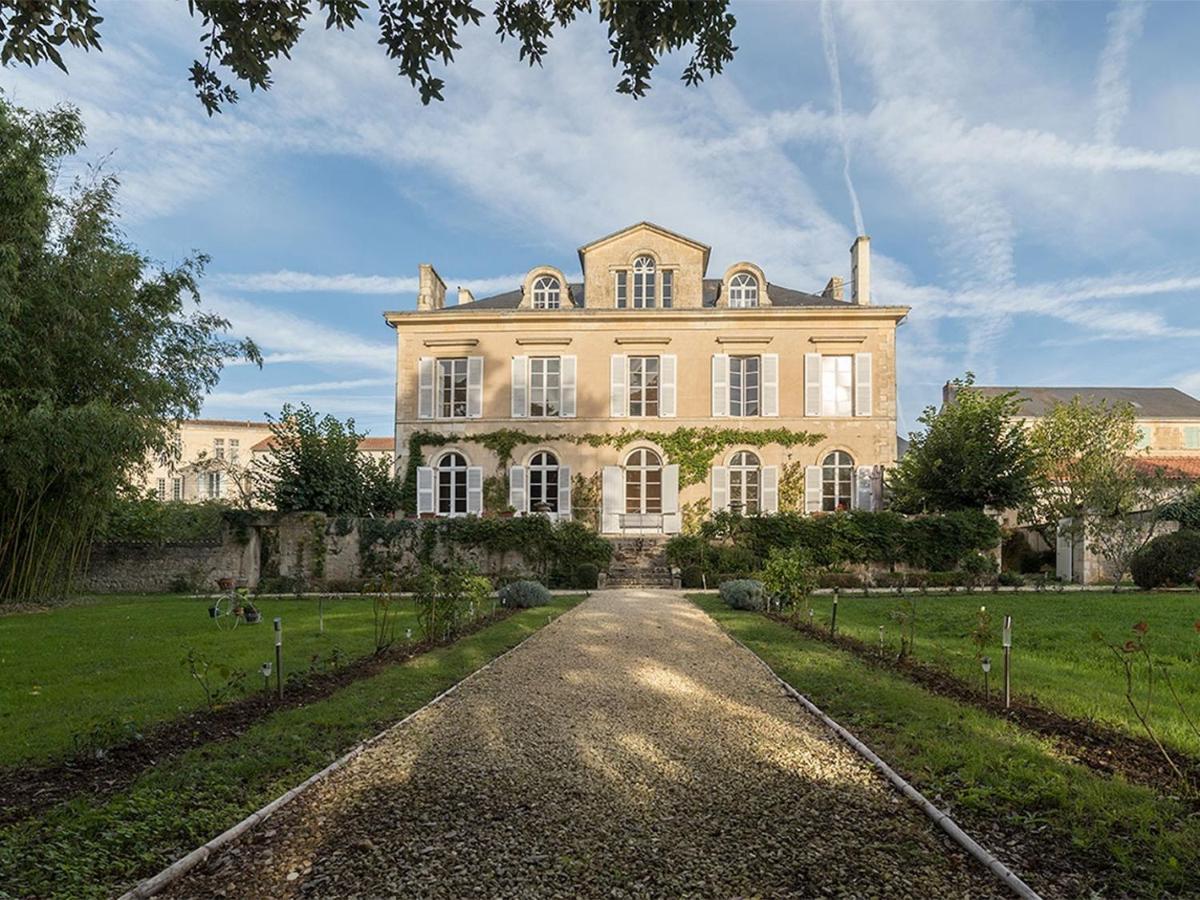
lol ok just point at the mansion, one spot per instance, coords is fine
(600, 375)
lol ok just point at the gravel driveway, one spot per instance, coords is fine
(630, 749)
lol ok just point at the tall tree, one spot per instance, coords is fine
(246, 38)
(973, 453)
(100, 351)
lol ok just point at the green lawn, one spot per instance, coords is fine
(1131, 840)
(97, 847)
(1055, 658)
(120, 657)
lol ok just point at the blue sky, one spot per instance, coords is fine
(1029, 175)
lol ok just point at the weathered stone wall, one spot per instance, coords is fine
(147, 567)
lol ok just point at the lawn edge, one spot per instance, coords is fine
(157, 883)
(940, 818)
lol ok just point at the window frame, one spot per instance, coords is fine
(643, 475)
(745, 478)
(544, 389)
(740, 391)
(744, 291)
(644, 402)
(645, 290)
(443, 381)
(547, 292)
(542, 482)
(842, 467)
(832, 405)
(456, 472)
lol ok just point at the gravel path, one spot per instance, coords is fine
(630, 749)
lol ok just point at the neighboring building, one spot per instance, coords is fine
(211, 462)
(370, 447)
(646, 341)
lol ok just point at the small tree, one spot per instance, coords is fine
(790, 576)
(973, 454)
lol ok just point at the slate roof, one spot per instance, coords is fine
(779, 296)
(1150, 403)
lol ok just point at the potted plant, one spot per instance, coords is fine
(252, 613)
(226, 582)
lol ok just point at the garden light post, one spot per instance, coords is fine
(265, 671)
(279, 656)
(833, 618)
(881, 640)
(1006, 640)
(986, 664)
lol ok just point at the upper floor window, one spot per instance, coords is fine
(644, 271)
(545, 385)
(547, 293)
(219, 448)
(744, 385)
(841, 385)
(452, 388)
(234, 450)
(643, 385)
(621, 288)
(743, 290)
(837, 386)
(668, 288)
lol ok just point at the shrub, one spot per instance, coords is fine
(586, 577)
(841, 580)
(1011, 579)
(692, 576)
(1167, 561)
(734, 561)
(790, 575)
(743, 593)
(977, 568)
(524, 594)
(276, 584)
(685, 550)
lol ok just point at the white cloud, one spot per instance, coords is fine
(1112, 82)
(347, 397)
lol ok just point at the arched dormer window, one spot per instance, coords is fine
(547, 293)
(743, 291)
(644, 270)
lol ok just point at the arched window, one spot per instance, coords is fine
(743, 290)
(547, 293)
(643, 282)
(744, 472)
(837, 481)
(643, 482)
(451, 474)
(543, 482)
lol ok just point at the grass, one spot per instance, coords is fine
(1130, 840)
(1056, 659)
(65, 669)
(96, 847)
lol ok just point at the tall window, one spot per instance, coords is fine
(643, 385)
(668, 288)
(452, 388)
(543, 482)
(837, 480)
(643, 282)
(743, 483)
(545, 386)
(161, 491)
(177, 488)
(837, 386)
(213, 482)
(234, 450)
(622, 289)
(547, 293)
(219, 448)
(452, 485)
(743, 290)
(744, 385)
(643, 482)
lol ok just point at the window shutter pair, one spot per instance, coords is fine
(619, 385)
(426, 493)
(768, 485)
(863, 384)
(518, 490)
(427, 393)
(520, 387)
(768, 393)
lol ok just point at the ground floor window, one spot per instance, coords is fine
(451, 475)
(643, 482)
(744, 478)
(837, 481)
(543, 483)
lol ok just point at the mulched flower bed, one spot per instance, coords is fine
(26, 789)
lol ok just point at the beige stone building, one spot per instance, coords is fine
(648, 343)
(211, 461)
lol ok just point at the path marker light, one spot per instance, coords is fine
(833, 619)
(279, 656)
(265, 671)
(881, 640)
(1006, 641)
(986, 664)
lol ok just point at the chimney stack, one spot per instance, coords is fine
(860, 271)
(465, 296)
(431, 290)
(835, 289)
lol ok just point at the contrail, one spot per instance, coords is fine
(829, 39)
(1112, 83)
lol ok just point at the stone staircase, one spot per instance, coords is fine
(639, 562)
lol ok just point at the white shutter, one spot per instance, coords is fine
(863, 389)
(666, 386)
(812, 384)
(720, 384)
(619, 373)
(516, 488)
(474, 387)
(612, 499)
(520, 387)
(424, 490)
(474, 490)
(564, 492)
(567, 368)
(720, 488)
(672, 520)
(769, 486)
(770, 384)
(425, 387)
(812, 489)
(864, 487)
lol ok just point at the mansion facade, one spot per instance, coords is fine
(599, 374)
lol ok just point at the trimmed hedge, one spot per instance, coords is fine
(1170, 560)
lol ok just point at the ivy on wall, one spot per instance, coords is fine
(692, 449)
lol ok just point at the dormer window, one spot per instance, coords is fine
(547, 293)
(643, 282)
(743, 291)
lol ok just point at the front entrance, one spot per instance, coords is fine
(641, 496)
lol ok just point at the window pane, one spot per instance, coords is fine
(622, 289)
(668, 288)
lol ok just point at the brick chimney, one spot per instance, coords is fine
(431, 290)
(860, 271)
(465, 296)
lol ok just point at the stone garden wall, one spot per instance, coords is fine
(148, 567)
